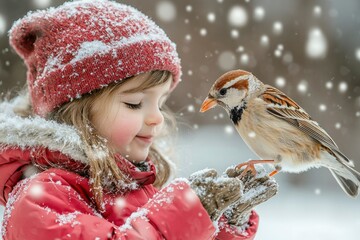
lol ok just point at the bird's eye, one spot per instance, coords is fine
(223, 91)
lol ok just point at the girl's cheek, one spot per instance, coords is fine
(120, 139)
(123, 133)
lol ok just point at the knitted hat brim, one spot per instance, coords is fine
(147, 55)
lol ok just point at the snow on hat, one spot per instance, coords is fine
(84, 45)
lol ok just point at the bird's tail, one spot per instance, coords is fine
(348, 179)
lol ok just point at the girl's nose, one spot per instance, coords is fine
(154, 117)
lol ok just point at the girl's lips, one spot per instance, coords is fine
(146, 139)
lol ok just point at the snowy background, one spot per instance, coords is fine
(308, 49)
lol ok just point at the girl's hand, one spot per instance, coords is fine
(215, 193)
(256, 189)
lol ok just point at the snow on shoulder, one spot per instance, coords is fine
(36, 131)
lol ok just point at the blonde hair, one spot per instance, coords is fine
(104, 173)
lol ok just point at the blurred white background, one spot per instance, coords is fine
(310, 49)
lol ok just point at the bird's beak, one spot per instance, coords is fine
(208, 104)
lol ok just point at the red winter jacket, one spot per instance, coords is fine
(58, 204)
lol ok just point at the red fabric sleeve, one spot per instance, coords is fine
(178, 213)
(12, 162)
(228, 231)
(40, 208)
(46, 207)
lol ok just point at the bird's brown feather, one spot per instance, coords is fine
(241, 85)
(283, 107)
(225, 78)
(275, 96)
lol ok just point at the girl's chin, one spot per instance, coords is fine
(136, 158)
(134, 153)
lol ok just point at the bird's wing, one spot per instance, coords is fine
(283, 107)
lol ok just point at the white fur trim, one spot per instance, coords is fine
(38, 132)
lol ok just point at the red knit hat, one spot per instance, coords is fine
(85, 45)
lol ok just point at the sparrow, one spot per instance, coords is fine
(278, 130)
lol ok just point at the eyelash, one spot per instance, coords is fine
(138, 106)
(133, 106)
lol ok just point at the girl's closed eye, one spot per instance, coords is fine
(132, 105)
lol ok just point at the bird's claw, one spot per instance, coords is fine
(250, 167)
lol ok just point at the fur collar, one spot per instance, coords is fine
(16, 131)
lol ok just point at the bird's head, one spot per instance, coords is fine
(232, 90)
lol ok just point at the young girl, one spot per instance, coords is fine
(78, 153)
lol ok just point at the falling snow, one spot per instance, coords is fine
(36, 191)
(166, 11)
(41, 3)
(191, 108)
(329, 85)
(280, 82)
(264, 40)
(237, 16)
(322, 107)
(317, 191)
(240, 49)
(279, 50)
(357, 54)
(2, 25)
(343, 86)
(316, 46)
(302, 86)
(252, 134)
(211, 17)
(244, 59)
(229, 129)
(234, 33)
(203, 32)
(277, 28)
(120, 202)
(259, 13)
(227, 60)
(288, 58)
(317, 11)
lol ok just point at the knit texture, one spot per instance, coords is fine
(85, 45)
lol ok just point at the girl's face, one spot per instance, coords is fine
(131, 120)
